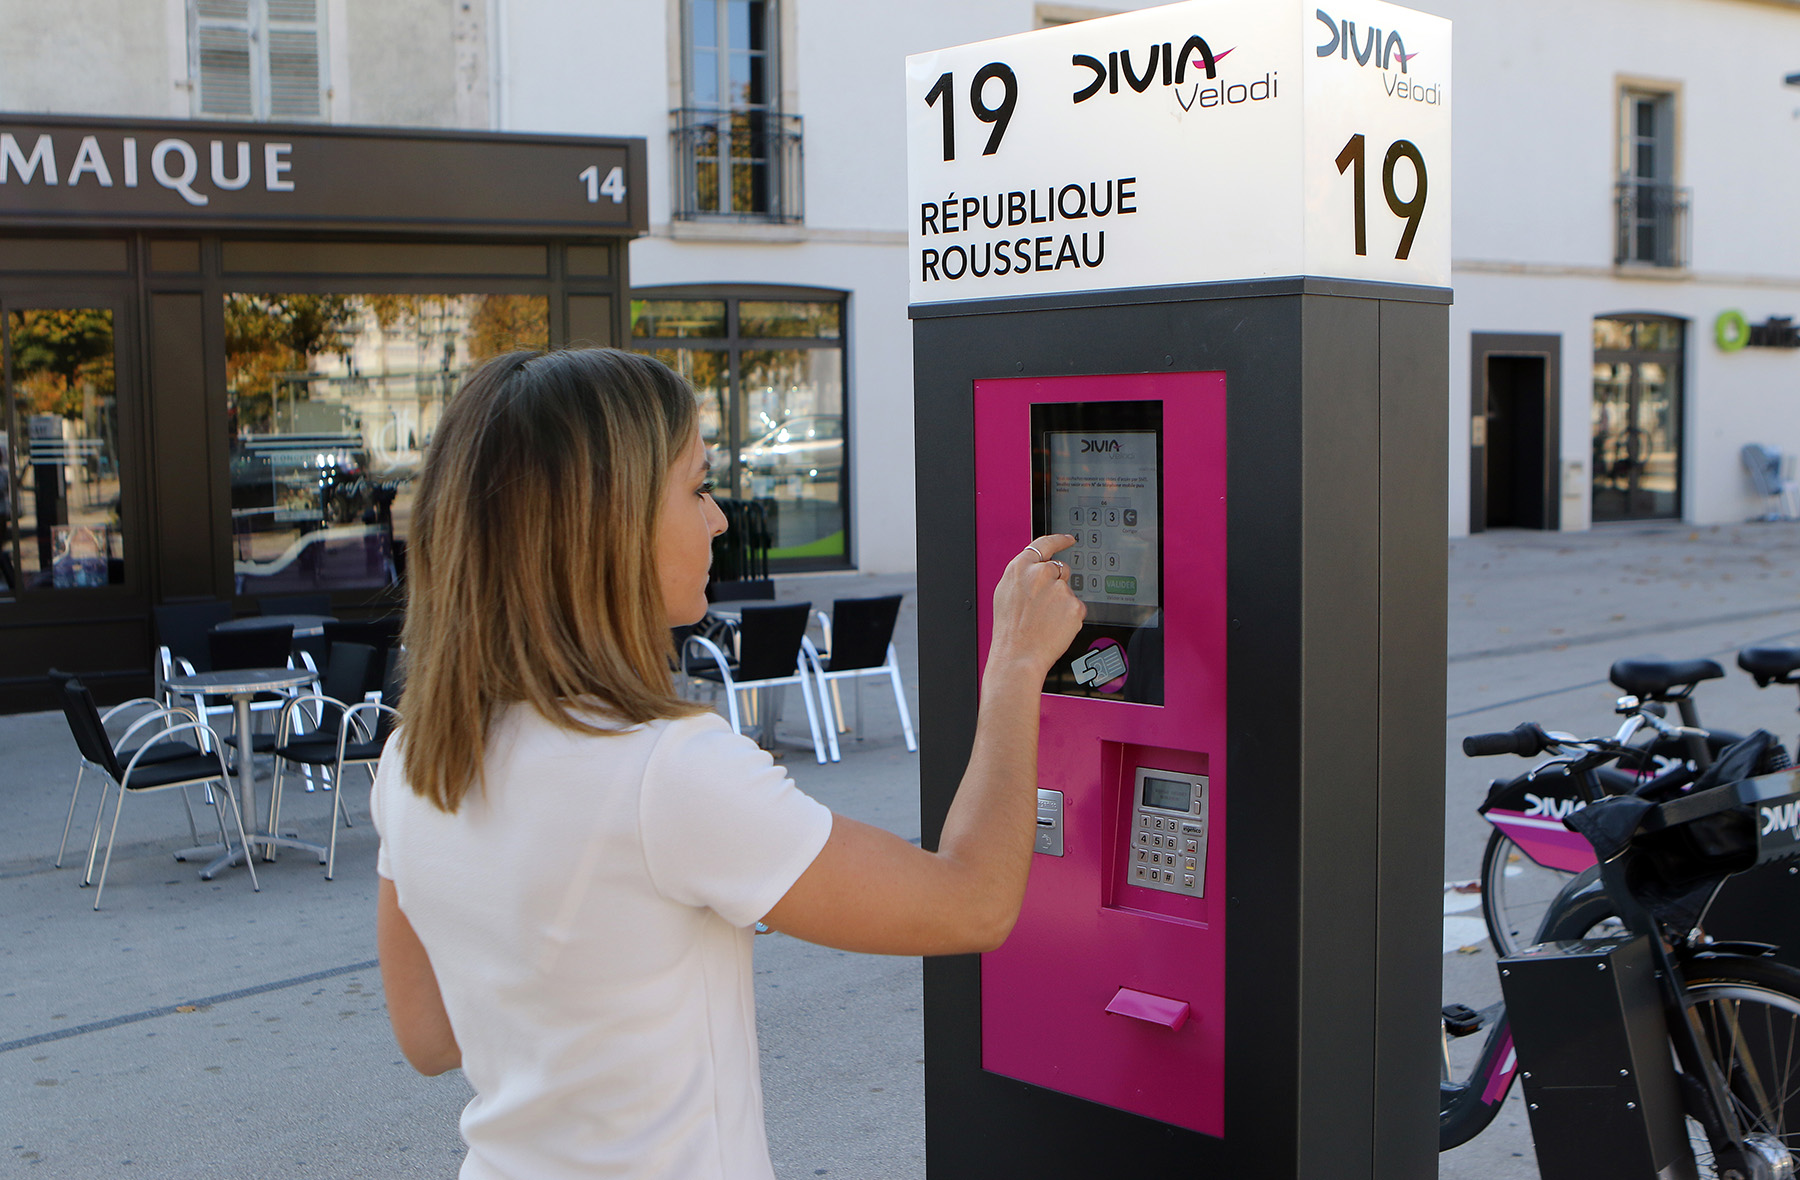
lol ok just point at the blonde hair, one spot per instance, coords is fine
(531, 568)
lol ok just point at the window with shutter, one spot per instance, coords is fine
(257, 59)
(222, 36)
(294, 59)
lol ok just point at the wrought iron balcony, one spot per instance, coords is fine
(1652, 224)
(742, 165)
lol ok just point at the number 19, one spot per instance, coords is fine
(1412, 211)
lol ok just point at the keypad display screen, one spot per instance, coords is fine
(1103, 488)
(1162, 851)
(1097, 475)
(1168, 794)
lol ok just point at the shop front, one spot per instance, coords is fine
(224, 349)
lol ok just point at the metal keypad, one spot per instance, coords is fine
(1168, 846)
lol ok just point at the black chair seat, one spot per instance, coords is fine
(1770, 665)
(160, 753)
(177, 770)
(711, 672)
(260, 743)
(1653, 679)
(323, 751)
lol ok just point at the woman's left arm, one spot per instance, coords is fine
(415, 1006)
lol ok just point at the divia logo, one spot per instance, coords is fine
(1099, 444)
(1784, 817)
(1173, 67)
(1551, 807)
(1344, 41)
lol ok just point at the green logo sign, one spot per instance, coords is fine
(1120, 585)
(1731, 330)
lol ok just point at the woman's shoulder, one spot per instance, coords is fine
(703, 740)
(523, 732)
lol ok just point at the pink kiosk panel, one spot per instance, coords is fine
(1109, 989)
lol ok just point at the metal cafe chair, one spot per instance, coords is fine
(859, 636)
(142, 774)
(772, 652)
(381, 634)
(343, 684)
(355, 735)
(721, 626)
(264, 647)
(181, 631)
(1765, 467)
(158, 715)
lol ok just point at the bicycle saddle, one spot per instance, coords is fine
(1653, 679)
(1770, 665)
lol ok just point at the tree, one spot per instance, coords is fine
(58, 354)
(273, 338)
(502, 323)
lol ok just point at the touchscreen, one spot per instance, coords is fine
(1097, 476)
(1103, 491)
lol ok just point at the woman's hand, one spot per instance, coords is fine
(869, 890)
(1036, 616)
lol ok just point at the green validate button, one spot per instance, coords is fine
(1119, 585)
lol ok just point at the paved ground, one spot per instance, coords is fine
(202, 1031)
(199, 1030)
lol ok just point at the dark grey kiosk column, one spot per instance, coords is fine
(1321, 301)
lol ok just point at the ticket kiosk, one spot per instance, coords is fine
(1179, 290)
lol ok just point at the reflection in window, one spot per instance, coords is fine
(1636, 418)
(709, 372)
(59, 452)
(332, 401)
(761, 317)
(792, 402)
(678, 317)
(774, 415)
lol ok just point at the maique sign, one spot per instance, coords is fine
(69, 172)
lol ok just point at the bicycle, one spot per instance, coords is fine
(1729, 1013)
(1530, 855)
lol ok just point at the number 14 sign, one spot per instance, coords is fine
(1198, 142)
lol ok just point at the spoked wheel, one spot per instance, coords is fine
(1748, 1015)
(1515, 893)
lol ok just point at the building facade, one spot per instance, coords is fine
(1624, 284)
(1621, 172)
(1618, 338)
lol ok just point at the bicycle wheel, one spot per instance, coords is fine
(1748, 1014)
(1515, 892)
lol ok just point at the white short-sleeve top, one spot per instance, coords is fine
(588, 915)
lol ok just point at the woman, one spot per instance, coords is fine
(572, 856)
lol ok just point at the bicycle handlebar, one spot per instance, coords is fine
(1527, 741)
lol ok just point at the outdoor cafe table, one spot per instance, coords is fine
(304, 625)
(241, 685)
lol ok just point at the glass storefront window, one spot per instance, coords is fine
(59, 452)
(792, 407)
(766, 318)
(332, 402)
(678, 317)
(1612, 334)
(709, 372)
(1659, 336)
(775, 416)
(1636, 418)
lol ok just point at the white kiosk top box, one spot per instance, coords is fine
(1204, 141)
